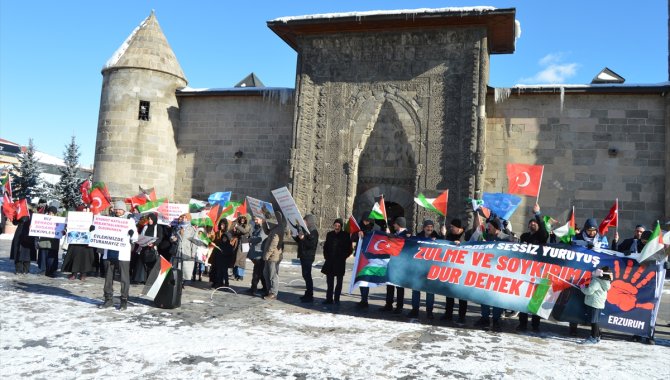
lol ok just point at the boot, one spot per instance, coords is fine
(108, 303)
(124, 304)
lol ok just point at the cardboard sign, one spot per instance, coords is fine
(290, 209)
(262, 209)
(110, 233)
(47, 226)
(79, 221)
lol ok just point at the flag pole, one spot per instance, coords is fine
(616, 228)
(539, 186)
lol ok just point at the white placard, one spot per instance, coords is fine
(110, 233)
(173, 212)
(78, 221)
(47, 226)
(290, 209)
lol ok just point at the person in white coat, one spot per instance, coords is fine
(119, 259)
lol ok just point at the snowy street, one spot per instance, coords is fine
(52, 328)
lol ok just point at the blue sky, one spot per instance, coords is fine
(51, 52)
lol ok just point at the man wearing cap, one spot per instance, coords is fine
(493, 233)
(119, 259)
(400, 228)
(456, 233)
(428, 233)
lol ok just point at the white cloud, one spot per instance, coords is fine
(554, 70)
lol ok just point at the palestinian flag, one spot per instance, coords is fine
(351, 226)
(202, 236)
(437, 205)
(228, 212)
(157, 277)
(369, 270)
(214, 215)
(567, 231)
(137, 200)
(378, 210)
(241, 210)
(547, 221)
(149, 193)
(653, 246)
(195, 205)
(152, 206)
(545, 296)
(201, 219)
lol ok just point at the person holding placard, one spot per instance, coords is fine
(119, 260)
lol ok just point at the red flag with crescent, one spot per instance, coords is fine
(21, 207)
(524, 179)
(98, 201)
(385, 245)
(8, 207)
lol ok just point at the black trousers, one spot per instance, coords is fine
(523, 321)
(462, 308)
(257, 275)
(334, 290)
(400, 300)
(306, 266)
(124, 271)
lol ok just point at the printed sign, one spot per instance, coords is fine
(262, 209)
(47, 226)
(172, 212)
(79, 221)
(110, 233)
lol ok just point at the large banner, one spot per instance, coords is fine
(110, 232)
(47, 226)
(290, 210)
(542, 280)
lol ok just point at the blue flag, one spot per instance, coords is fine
(220, 198)
(501, 204)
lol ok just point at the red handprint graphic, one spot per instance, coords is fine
(624, 293)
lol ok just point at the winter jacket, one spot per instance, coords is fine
(596, 293)
(598, 241)
(336, 250)
(307, 245)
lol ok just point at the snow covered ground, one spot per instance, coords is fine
(51, 328)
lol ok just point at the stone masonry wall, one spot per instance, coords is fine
(577, 145)
(214, 128)
(425, 83)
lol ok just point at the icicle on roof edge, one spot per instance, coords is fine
(384, 12)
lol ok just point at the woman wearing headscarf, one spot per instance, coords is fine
(23, 246)
(80, 258)
(307, 243)
(186, 252)
(336, 250)
(223, 255)
(241, 230)
(149, 238)
(273, 253)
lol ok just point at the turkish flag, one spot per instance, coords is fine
(611, 220)
(8, 207)
(524, 179)
(381, 244)
(85, 189)
(21, 207)
(98, 201)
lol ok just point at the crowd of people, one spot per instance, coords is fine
(225, 248)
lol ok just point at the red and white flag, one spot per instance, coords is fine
(524, 179)
(385, 245)
(611, 220)
(98, 201)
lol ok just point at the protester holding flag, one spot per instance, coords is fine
(240, 232)
(367, 227)
(631, 245)
(596, 295)
(336, 250)
(539, 236)
(273, 253)
(456, 233)
(256, 256)
(400, 228)
(119, 259)
(307, 244)
(589, 236)
(428, 233)
(23, 246)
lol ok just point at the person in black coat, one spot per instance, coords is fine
(307, 244)
(336, 250)
(631, 245)
(536, 234)
(23, 246)
(224, 258)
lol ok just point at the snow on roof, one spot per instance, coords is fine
(45, 158)
(234, 89)
(557, 85)
(124, 46)
(385, 13)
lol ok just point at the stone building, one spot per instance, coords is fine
(391, 103)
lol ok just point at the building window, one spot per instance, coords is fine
(144, 110)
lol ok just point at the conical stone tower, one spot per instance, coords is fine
(139, 114)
